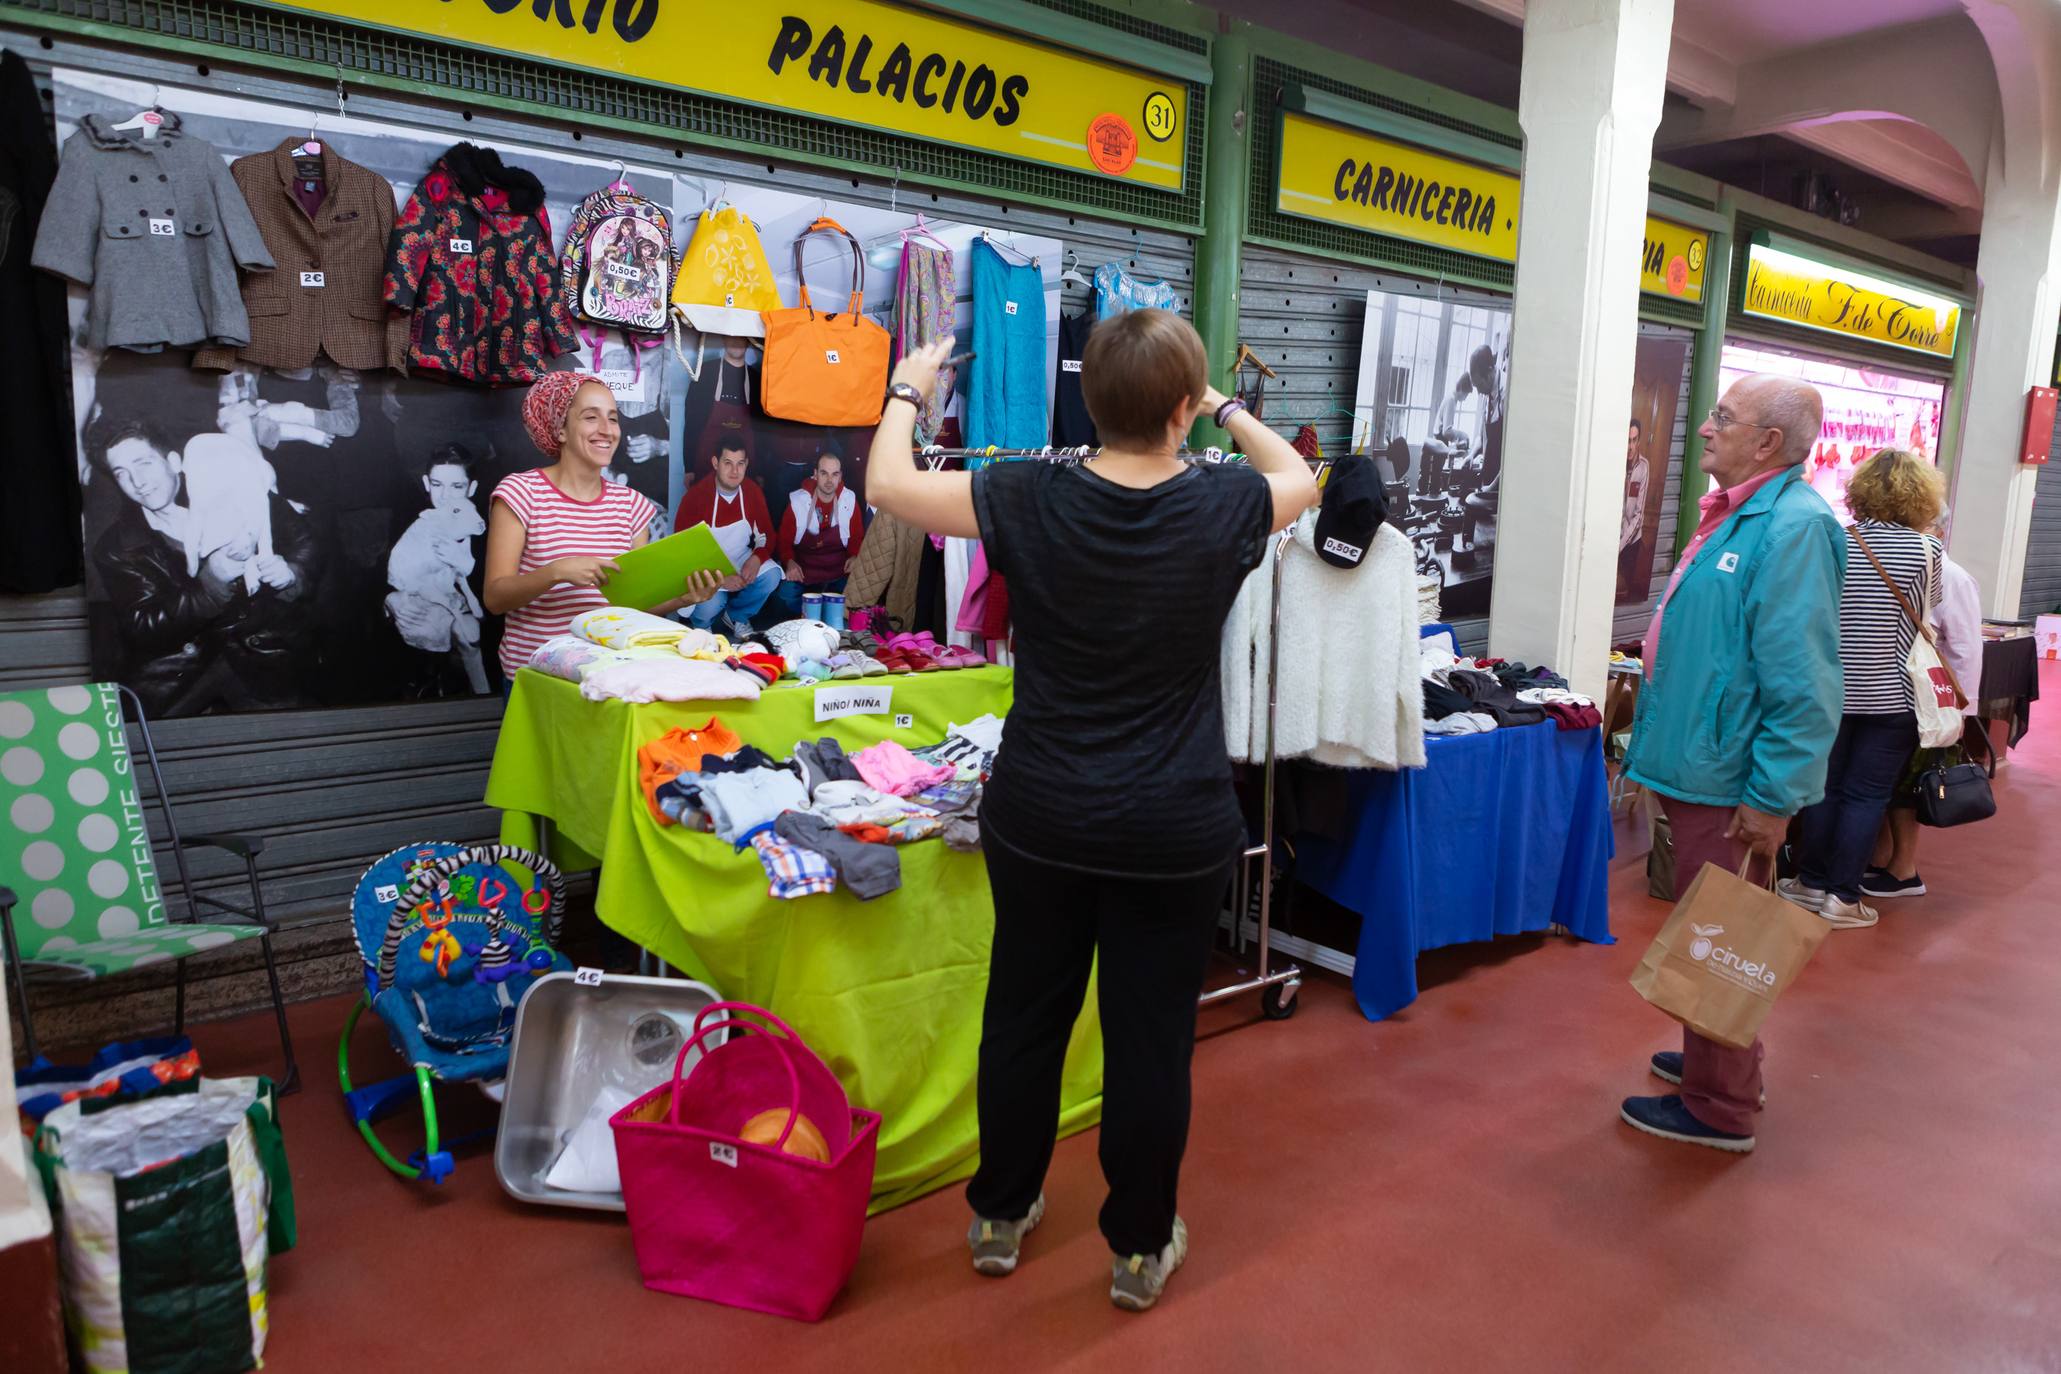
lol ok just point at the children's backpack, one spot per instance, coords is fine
(618, 263)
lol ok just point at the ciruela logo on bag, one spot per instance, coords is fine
(1726, 963)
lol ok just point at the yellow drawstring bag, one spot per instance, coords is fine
(725, 280)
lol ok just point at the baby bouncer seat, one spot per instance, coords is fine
(450, 940)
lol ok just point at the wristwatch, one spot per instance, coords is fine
(902, 391)
(1227, 410)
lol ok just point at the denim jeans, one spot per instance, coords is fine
(741, 605)
(1838, 834)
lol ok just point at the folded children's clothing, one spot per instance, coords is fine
(948, 796)
(572, 658)
(869, 870)
(969, 748)
(680, 751)
(1461, 723)
(618, 627)
(962, 832)
(894, 770)
(740, 805)
(852, 803)
(742, 761)
(679, 802)
(705, 645)
(668, 679)
(791, 870)
(823, 761)
(907, 830)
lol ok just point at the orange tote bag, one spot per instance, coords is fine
(821, 368)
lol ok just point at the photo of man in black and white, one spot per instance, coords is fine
(208, 617)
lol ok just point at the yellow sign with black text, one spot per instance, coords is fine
(1365, 182)
(1796, 290)
(1672, 260)
(862, 62)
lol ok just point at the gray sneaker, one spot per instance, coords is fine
(995, 1244)
(1136, 1283)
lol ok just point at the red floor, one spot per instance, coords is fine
(1448, 1190)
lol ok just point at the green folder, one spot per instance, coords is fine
(658, 572)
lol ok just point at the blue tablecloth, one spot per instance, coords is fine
(1502, 832)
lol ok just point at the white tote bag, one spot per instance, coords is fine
(1935, 692)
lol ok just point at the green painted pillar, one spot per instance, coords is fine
(1227, 173)
(1703, 384)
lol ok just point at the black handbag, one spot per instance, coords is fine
(1958, 793)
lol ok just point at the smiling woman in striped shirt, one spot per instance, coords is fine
(1895, 496)
(553, 533)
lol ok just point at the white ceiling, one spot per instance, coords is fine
(1748, 30)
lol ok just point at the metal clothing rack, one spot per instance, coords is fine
(1278, 988)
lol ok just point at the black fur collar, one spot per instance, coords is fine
(475, 169)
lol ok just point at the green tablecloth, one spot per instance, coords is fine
(888, 992)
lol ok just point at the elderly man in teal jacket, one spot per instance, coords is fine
(1741, 700)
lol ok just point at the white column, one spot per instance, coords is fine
(2015, 318)
(1594, 73)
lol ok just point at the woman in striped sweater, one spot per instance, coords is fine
(1894, 496)
(553, 533)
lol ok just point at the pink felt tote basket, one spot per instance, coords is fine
(714, 1217)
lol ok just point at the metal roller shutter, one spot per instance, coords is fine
(1304, 316)
(2041, 593)
(331, 790)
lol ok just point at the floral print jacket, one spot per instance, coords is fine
(471, 258)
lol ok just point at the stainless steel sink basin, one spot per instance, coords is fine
(571, 1044)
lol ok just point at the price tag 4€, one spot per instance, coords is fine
(587, 978)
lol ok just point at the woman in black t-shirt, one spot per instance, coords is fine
(1109, 823)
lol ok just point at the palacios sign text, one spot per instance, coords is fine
(1816, 295)
(907, 71)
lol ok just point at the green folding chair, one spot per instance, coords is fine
(79, 892)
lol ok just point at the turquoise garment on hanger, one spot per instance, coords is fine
(1006, 388)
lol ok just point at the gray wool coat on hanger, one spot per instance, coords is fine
(156, 227)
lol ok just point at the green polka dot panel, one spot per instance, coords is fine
(76, 849)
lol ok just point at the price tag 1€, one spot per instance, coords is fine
(587, 978)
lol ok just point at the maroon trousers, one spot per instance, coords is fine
(1720, 1085)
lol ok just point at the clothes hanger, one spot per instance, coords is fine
(310, 147)
(1073, 271)
(1247, 356)
(922, 230)
(987, 236)
(148, 119)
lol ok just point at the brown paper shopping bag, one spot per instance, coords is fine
(1728, 951)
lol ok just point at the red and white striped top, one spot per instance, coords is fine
(557, 526)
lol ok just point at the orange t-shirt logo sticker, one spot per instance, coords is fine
(1112, 144)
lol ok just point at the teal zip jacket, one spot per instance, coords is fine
(1746, 692)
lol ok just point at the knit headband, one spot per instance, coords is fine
(544, 409)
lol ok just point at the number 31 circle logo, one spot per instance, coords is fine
(1159, 116)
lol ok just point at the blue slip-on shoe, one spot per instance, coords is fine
(1669, 1119)
(1880, 882)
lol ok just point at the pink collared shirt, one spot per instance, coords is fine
(1717, 507)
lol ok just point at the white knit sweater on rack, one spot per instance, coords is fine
(1350, 692)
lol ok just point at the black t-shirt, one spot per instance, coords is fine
(1072, 426)
(1113, 759)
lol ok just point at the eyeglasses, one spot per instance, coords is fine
(1719, 421)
